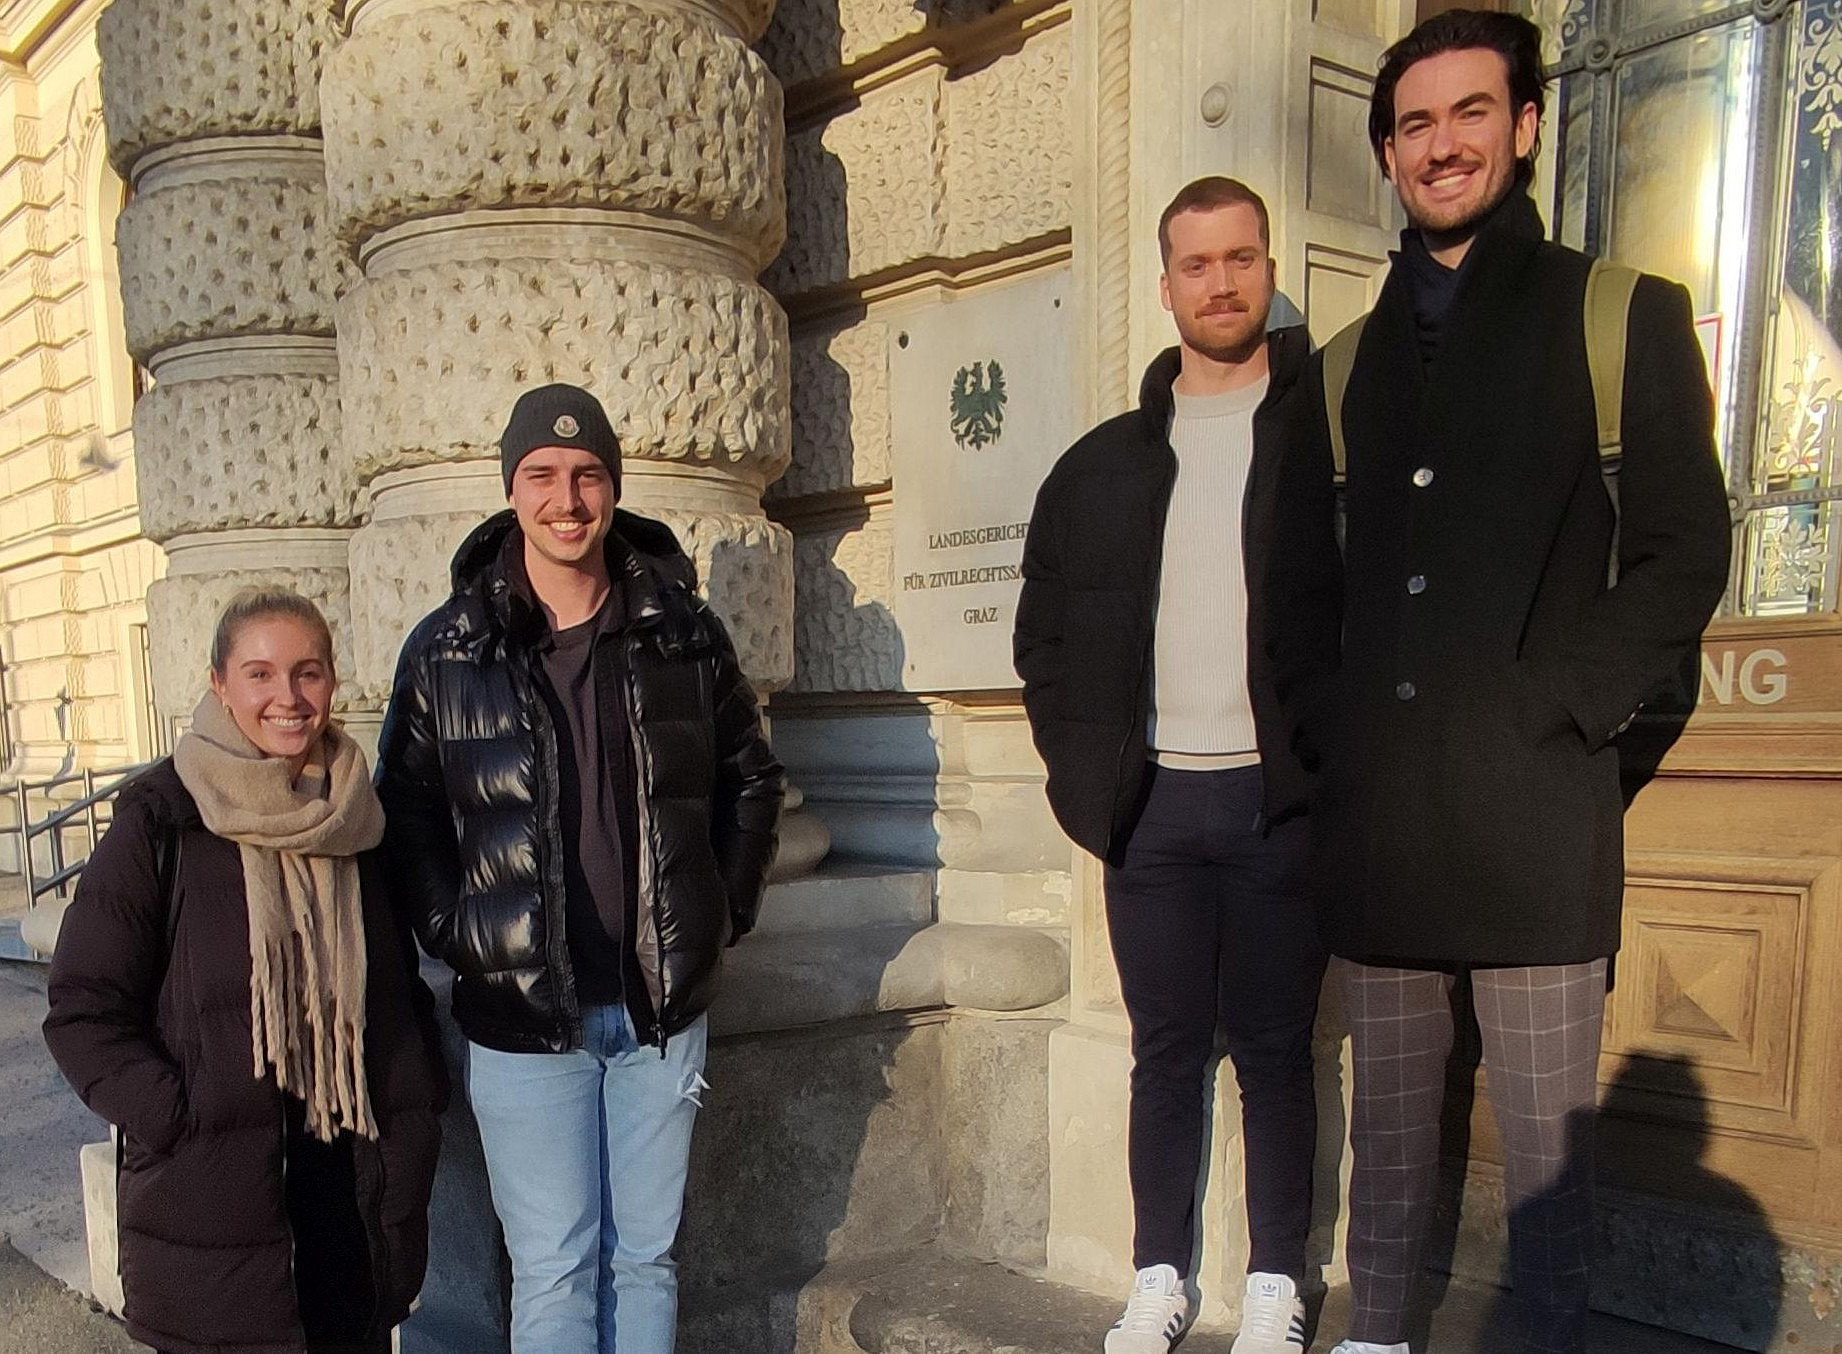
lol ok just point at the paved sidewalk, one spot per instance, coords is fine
(42, 1124)
(938, 1305)
(38, 1315)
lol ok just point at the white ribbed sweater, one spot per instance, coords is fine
(1200, 714)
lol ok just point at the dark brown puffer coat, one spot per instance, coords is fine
(217, 1188)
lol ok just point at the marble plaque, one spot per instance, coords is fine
(983, 388)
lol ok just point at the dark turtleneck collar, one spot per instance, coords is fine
(1432, 286)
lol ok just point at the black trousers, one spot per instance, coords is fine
(1213, 930)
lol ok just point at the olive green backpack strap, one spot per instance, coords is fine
(1339, 361)
(1606, 316)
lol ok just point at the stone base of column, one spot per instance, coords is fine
(804, 840)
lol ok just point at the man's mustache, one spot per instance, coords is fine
(1449, 166)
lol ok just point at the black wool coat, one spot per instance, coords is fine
(1459, 676)
(1087, 613)
(208, 1240)
(467, 770)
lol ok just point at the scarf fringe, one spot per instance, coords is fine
(307, 1012)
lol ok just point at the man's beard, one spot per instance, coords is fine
(1220, 347)
(1467, 220)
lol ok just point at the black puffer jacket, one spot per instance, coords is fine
(467, 770)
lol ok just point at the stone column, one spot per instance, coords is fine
(562, 190)
(229, 272)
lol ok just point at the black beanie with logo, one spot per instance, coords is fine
(558, 416)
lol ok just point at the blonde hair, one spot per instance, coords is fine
(258, 603)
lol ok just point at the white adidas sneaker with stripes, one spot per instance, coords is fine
(1272, 1317)
(1156, 1314)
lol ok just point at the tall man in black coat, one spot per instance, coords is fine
(1167, 758)
(1459, 672)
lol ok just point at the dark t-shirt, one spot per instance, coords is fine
(595, 799)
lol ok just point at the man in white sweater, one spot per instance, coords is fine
(1153, 711)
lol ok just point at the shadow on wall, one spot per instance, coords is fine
(807, 37)
(805, 1151)
(1658, 1109)
(1717, 1277)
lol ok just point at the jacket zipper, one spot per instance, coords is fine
(646, 871)
(550, 847)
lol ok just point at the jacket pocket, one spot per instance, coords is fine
(1540, 718)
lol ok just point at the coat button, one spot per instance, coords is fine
(1406, 691)
(1417, 584)
(1422, 477)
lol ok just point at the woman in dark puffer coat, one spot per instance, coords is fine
(232, 989)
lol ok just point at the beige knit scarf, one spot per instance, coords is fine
(299, 843)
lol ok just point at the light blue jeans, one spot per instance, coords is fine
(587, 1153)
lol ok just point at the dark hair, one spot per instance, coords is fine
(260, 603)
(1510, 36)
(1207, 195)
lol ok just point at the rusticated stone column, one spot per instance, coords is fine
(562, 190)
(229, 273)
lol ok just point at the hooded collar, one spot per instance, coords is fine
(1287, 350)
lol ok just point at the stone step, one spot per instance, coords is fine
(937, 1305)
(844, 895)
(809, 977)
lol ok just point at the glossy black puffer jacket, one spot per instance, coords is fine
(467, 770)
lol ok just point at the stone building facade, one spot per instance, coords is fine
(848, 274)
(74, 565)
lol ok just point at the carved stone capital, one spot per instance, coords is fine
(692, 367)
(174, 70)
(845, 634)
(211, 258)
(554, 103)
(241, 451)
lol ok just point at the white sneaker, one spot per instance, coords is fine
(1370, 1347)
(1155, 1314)
(1272, 1317)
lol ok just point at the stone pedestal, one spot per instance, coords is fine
(96, 1163)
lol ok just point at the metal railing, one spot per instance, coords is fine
(90, 815)
(6, 720)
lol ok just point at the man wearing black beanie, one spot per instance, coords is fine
(535, 717)
(561, 416)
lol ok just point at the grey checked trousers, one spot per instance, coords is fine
(1541, 1029)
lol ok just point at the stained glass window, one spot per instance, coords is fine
(1702, 139)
